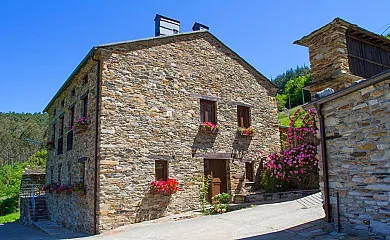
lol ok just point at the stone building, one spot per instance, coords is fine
(354, 125)
(145, 101)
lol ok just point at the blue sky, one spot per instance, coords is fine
(43, 41)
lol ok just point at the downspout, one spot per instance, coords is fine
(95, 195)
(327, 206)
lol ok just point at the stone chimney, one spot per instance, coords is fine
(341, 53)
(166, 26)
(328, 57)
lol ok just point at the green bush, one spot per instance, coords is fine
(9, 205)
(223, 198)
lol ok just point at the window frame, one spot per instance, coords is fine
(84, 112)
(249, 167)
(243, 116)
(82, 175)
(59, 171)
(164, 170)
(205, 106)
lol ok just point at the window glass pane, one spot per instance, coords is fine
(161, 170)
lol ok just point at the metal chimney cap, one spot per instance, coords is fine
(198, 26)
(161, 16)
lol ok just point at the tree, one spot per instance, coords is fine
(283, 78)
(293, 90)
(388, 36)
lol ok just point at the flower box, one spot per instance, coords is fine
(249, 131)
(50, 144)
(210, 127)
(168, 187)
(81, 125)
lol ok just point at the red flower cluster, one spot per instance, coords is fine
(247, 131)
(169, 187)
(211, 127)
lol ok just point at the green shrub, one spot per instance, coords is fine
(9, 205)
(223, 198)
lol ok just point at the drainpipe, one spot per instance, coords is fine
(327, 206)
(95, 195)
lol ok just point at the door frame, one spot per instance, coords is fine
(223, 175)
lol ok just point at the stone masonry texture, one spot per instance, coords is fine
(359, 166)
(150, 94)
(151, 106)
(73, 211)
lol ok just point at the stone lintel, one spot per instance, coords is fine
(71, 105)
(214, 155)
(240, 104)
(83, 159)
(84, 95)
(161, 157)
(209, 98)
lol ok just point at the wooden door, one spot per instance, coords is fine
(217, 169)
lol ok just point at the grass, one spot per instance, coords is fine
(285, 121)
(10, 217)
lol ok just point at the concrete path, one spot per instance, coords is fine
(271, 221)
(16, 231)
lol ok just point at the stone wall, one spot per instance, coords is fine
(73, 211)
(357, 127)
(151, 95)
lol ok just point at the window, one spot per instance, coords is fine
(55, 112)
(243, 116)
(82, 172)
(85, 79)
(85, 106)
(54, 132)
(60, 141)
(62, 103)
(161, 170)
(71, 120)
(69, 137)
(61, 126)
(59, 173)
(73, 92)
(249, 171)
(51, 174)
(207, 111)
(69, 173)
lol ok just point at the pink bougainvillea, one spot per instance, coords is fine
(298, 158)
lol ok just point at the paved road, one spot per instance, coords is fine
(16, 231)
(271, 221)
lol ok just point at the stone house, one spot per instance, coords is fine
(145, 101)
(354, 125)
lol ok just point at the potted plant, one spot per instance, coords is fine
(210, 127)
(81, 125)
(249, 131)
(50, 144)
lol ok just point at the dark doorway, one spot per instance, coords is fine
(217, 169)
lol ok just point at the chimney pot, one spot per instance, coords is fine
(198, 26)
